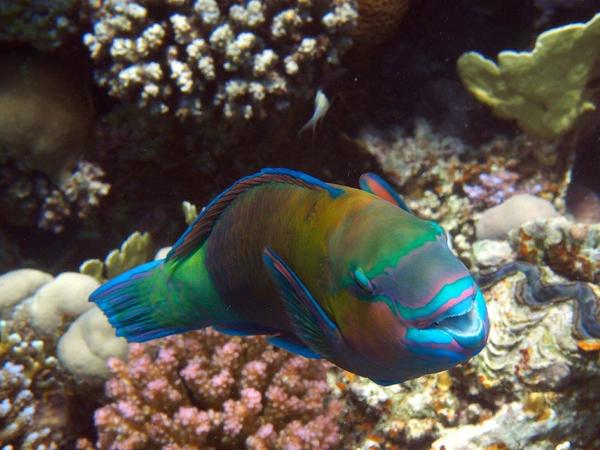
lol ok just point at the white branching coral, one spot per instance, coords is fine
(239, 59)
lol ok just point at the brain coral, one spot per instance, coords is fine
(196, 57)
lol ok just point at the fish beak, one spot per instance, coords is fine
(466, 324)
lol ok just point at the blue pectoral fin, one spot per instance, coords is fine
(309, 320)
(374, 184)
(293, 344)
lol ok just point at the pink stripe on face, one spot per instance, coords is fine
(419, 276)
(425, 321)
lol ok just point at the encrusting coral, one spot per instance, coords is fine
(191, 58)
(545, 90)
(569, 248)
(211, 391)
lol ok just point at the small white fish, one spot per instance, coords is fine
(321, 107)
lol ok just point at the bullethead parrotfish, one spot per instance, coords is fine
(323, 270)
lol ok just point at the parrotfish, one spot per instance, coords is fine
(323, 270)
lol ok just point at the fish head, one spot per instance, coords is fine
(405, 303)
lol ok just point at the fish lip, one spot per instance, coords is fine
(448, 317)
(466, 328)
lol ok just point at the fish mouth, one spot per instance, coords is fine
(463, 322)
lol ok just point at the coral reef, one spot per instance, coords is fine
(87, 345)
(545, 90)
(34, 403)
(77, 196)
(570, 249)
(60, 301)
(135, 250)
(191, 58)
(17, 285)
(494, 188)
(44, 24)
(437, 174)
(204, 389)
(31, 199)
(45, 121)
(57, 311)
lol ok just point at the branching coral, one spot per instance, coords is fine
(28, 386)
(30, 199)
(207, 390)
(78, 196)
(242, 59)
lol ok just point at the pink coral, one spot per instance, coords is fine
(210, 391)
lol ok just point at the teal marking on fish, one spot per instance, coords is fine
(322, 270)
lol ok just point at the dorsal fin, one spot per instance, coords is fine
(373, 183)
(201, 227)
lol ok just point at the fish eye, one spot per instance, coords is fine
(363, 281)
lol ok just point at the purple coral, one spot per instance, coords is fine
(496, 187)
(206, 390)
(79, 194)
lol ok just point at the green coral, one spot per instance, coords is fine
(545, 90)
(136, 250)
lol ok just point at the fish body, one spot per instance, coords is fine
(323, 270)
(321, 107)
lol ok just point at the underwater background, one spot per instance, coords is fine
(120, 120)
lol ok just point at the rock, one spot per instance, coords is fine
(496, 222)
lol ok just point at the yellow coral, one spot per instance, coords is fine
(545, 90)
